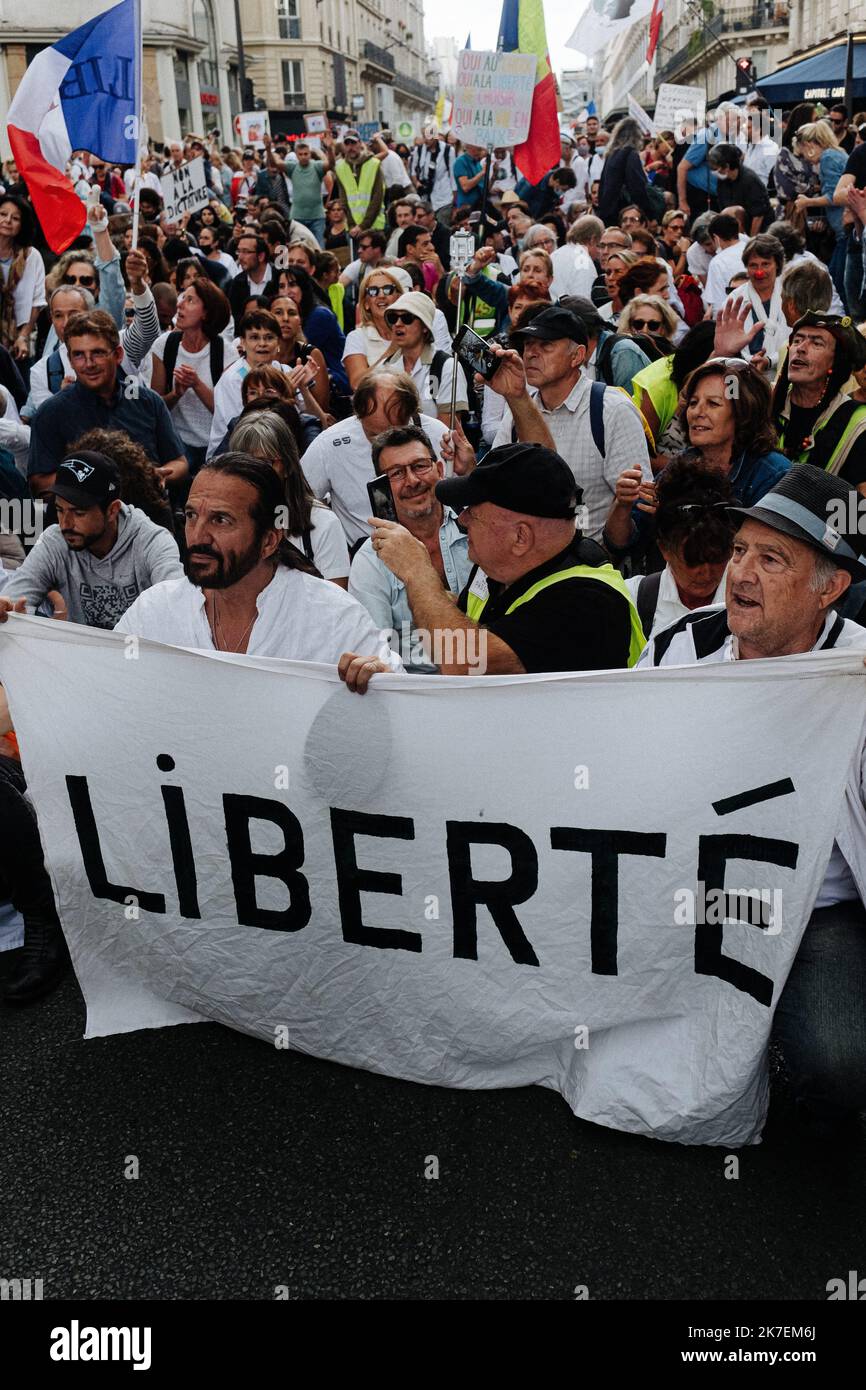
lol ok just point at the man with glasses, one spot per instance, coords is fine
(371, 249)
(613, 239)
(761, 150)
(103, 397)
(406, 458)
(255, 272)
(361, 186)
(53, 372)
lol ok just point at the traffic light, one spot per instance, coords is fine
(746, 75)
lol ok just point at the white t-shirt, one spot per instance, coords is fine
(723, 265)
(190, 416)
(340, 463)
(435, 396)
(328, 541)
(670, 607)
(227, 399)
(394, 170)
(698, 261)
(368, 342)
(300, 618)
(574, 272)
(30, 290)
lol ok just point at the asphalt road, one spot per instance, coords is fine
(261, 1169)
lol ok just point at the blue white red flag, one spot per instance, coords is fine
(79, 94)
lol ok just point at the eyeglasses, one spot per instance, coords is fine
(78, 359)
(651, 325)
(417, 470)
(375, 290)
(838, 120)
(399, 316)
(86, 280)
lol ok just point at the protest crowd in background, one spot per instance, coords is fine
(659, 461)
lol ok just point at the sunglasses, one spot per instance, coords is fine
(838, 120)
(400, 317)
(375, 290)
(85, 280)
(651, 325)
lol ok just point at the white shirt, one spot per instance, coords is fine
(723, 265)
(443, 180)
(228, 401)
(30, 290)
(300, 618)
(435, 397)
(368, 342)
(256, 290)
(574, 272)
(14, 435)
(625, 445)
(761, 157)
(698, 261)
(394, 170)
(328, 542)
(190, 416)
(340, 462)
(670, 607)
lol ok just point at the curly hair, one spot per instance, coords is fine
(640, 278)
(751, 401)
(139, 481)
(691, 516)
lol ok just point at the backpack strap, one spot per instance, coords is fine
(217, 358)
(596, 415)
(604, 359)
(169, 357)
(54, 371)
(647, 600)
(307, 538)
(437, 366)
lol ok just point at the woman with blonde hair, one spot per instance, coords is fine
(818, 145)
(367, 344)
(653, 316)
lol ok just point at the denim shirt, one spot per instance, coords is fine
(384, 595)
(831, 169)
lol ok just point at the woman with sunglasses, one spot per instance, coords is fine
(380, 289)
(410, 321)
(652, 316)
(725, 409)
(22, 276)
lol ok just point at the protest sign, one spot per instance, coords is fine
(636, 111)
(184, 189)
(493, 97)
(252, 127)
(677, 104)
(543, 904)
(316, 123)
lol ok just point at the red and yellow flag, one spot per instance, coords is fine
(522, 30)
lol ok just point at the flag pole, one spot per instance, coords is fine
(139, 119)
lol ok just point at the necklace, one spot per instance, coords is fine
(219, 635)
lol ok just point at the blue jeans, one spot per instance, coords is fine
(820, 1019)
(838, 265)
(853, 296)
(316, 225)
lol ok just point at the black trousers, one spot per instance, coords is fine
(23, 875)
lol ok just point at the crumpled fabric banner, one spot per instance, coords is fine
(474, 882)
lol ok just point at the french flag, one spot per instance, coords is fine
(80, 94)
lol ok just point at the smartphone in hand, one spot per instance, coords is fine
(474, 354)
(381, 499)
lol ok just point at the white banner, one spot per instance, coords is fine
(675, 104)
(603, 20)
(493, 97)
(636, 111)
(465, 882)
(184, 189)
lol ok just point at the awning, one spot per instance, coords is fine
(819, 78)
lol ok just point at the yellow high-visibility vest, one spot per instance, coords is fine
(360, 191)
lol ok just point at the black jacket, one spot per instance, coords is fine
(623, 181)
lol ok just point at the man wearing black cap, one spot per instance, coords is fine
(598, 431)
(102, 553)
(795, 556)
(817, 423)
(545, 598)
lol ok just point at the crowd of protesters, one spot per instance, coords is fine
(672, 401)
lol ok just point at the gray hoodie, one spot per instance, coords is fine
(98, 592)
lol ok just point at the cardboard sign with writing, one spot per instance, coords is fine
(493, 97)
(675, 104)
(185, 189)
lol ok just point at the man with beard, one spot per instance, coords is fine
(100, 556)
(247, 589)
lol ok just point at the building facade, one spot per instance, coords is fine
(189, 68)
(701, 40)
(362, 61)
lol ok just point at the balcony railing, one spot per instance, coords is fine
(380, 56)
(733, 19)
(411, 87)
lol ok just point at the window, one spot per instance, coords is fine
(759, 58)
(293, 82)
(289, 18)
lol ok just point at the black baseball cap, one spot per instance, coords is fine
(813, 506)
(87, 479)
(551, 324)
(519, 477)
